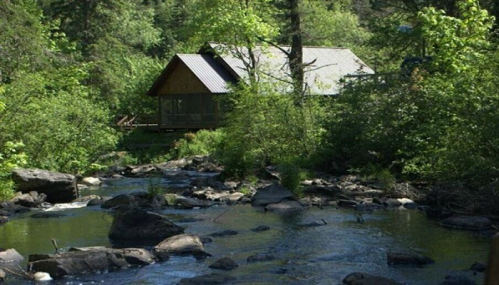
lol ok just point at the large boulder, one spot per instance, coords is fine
(59, 187)
(10, 256)
(366, 279)
(179, 245)
(271, 194)
(467, 222)
(84, 260)
(143, 226)
(394, 258)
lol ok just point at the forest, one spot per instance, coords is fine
(70, 69)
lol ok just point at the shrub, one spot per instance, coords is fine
(203, 142)
(291, 175)
(11, 157)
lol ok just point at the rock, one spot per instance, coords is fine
(260, 257)
(392, 203)
(179, 245)
(224, 264)
(478, 267)
(190, 220)
(261, 229)
(347, 203)
(91, 181)
(47, 215)
(459, 278)
(79, 261)
(207, 279)
(313, 224)
(10, 207)
(122, 201)
(407, 203)
(224, 233)
(31, 199)
(3, 220)
(467, 222)
(205, 240)
(96, 202)
(86, 198)
(140, 170)
(271, 194)
(358, 278)
(135, 224)
(172, 164)
(193, 203)
(59, 187)
(41, 277)
(408, 259)
(10, 256)
(285, 207)
(2, 275)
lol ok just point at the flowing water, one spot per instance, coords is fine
(304, 255)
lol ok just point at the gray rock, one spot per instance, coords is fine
(122, 201)
(193, 203)
(91, 181)
(2, 275)
(3, 220)
(392, 203)
(86, 198)
(467, 222)
(224, 233)
(478, 267)
(260, 257)
(358, 278)
(80, 261)
(95, 202)
(271, 194)
(179, 245)
(224, 264)
(408, 259)
(285, 207)
(313, 224)
(59, 187)
(10, 256)
(140, 170)
(31, 199)
(140, 225)
(347, 203)
(261, 228)
(207, 279)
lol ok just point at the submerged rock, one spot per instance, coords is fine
(271, 194)
(261, 228)
(408, 259)
(224, 233)
(207, 279)
(59, 187)
(10, 256)
(467, 222)
(193, 203)
(285, 207)
(459, 278)
(260, 257)
(3, 220)
(84, 260)
(478, 267)
(47, 215)
(224, 264)
(366, 279)
(135, 224)
(179, 245)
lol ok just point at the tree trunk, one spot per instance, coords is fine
(296, 53)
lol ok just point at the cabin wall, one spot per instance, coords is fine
(182, 81)
(188, 111)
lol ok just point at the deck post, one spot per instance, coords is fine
(492, 276)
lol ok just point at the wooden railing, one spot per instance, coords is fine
(492, 276)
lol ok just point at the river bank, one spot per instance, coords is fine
(303, 254)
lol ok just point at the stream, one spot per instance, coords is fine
(304, 255)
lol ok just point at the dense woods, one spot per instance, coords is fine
(69, 69)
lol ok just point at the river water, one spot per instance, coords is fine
(304, 255)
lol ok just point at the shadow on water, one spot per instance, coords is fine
(304, 255)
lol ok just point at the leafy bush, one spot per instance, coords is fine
(290, 175)
(11, 157)
(203, 142)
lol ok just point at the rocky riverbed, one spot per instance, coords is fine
(256, 232)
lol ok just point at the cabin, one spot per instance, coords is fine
(189, 85)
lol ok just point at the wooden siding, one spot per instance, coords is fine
(182, 81)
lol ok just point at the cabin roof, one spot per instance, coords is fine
(218, 65)
(327, 65)
(211, 73)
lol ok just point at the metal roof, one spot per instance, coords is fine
(327, 65)
(213, 75)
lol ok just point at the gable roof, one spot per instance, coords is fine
(211, 73)
(218, 65)
(327, 65)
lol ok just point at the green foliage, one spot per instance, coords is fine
(265, 127)
(154, 188)
(11, 157)
(203, 142)
(290, 175)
